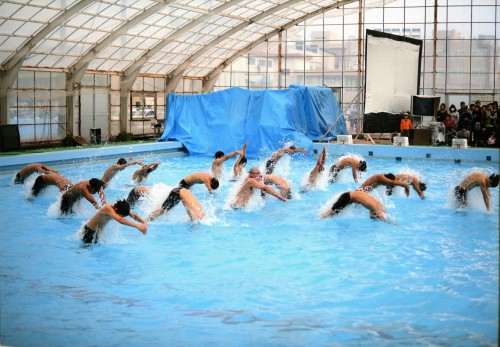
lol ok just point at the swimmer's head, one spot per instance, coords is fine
(390, 176)
(122, 207)
(292, 147)
(422, 186)
(342, 202)
(218, 154)
(214, 183)
(96, 185)
(494, 180)
(374, 215)
(243, 161)
(362, 166)
(121, 161)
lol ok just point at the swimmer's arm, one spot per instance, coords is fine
(143, 227)
(322, 157)
(156, 214)
(138, 162)
(354, 173)
(91, 199)
(417, 189)
(381, 215)
(228, 156)
(102, 197)
(207, 184)
(47, 169)
(486, 196)
(153, 166)
(271, 191)
(296, 150)
(403, 184)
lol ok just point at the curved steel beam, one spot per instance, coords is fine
(78, 68)
(209, 78)
(14, 63)
(136, 66)
(177, 73)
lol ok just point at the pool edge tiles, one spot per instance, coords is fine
(17, 161)
(479, 155)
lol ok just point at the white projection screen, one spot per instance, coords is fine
(392, 77)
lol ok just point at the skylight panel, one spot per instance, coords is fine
(61, 33)
(13, 43)
(27, 13)
(64, 48)
(67, 61)
(29, 29)
(4, 56)
(47, 14)
(9, 27)
(7, 10)
(80, 49)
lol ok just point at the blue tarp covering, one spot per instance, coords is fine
(266, 119)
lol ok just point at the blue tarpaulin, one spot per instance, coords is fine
(266, 119)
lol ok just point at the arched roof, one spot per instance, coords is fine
(192, 38)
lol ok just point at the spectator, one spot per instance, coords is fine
(405, 125)
(441, 113)
(449, 129)
(454, 114)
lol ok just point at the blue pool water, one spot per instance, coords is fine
(274, 274)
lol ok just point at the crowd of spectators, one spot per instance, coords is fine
(477, 123)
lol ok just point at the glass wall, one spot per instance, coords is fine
(147, 105)
(38, 105)
(327, 51)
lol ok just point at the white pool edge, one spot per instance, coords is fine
(398, 153)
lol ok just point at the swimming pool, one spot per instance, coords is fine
(271, 275)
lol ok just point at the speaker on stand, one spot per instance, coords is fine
(9, 138)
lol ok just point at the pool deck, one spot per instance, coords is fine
(398, 153)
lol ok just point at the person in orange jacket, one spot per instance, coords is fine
(405, 125)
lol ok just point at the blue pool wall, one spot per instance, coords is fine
(457, 155)
(9, 162)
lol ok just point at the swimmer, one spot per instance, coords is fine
(198, 178)
(240, 163)
(320, 167)
(219, 159)
(142, 174)
(252, 181)
(388, 180)
(82, 189)
(119, 166)
(30, 169)
(280, 183)
(118, 211)
(271, 163)
(51, 179)
(135, 193)
(191, 204)
(355, 163)
(476, 180)
(362, 198)
(418, 186)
